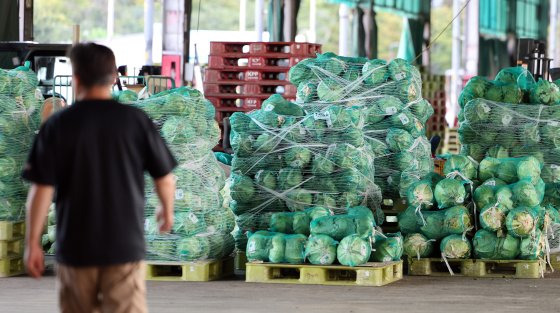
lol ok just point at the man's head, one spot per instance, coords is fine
(94, 70)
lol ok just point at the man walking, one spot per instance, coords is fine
(94, 154)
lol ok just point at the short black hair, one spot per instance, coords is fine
(93, 64)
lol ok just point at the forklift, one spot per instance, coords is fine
(47, 60)
(531, 55)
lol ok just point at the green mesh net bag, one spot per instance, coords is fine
(487, 245)
(409, 221)
(417, 246)
(455, 247)
(457, 220)
(353, 251)
(321, 250)
(387, 247)
(296, 222)
(461, 164)
(340, 226)
(276, 247)
(449, 192)
(533, 247)
(438, 224)
(493, 217)
(522, 222)
(420, 194)
(432, 224)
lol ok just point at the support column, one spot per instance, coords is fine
(471, 35)
(370, 27)
(344, 30)
(312, 21)
(259, 19)
(28, 20)
(552, 33)
(148, 30)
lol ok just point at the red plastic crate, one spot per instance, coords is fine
(264, 48)
(234, 102)
(243, 62)
(263, 88)
(272, 75)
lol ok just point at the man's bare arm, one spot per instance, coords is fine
(165, 188)
(38, 201)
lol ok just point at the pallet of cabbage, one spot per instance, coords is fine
(476, 268)
(372, 274)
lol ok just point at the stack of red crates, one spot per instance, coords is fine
(241, 75)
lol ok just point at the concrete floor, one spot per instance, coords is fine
(410, 295)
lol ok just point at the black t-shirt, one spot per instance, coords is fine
(95, 153)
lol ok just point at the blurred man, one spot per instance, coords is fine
(94, 153)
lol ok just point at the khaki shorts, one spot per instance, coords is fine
(107, 289)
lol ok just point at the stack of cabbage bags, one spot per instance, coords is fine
(503, 200)
(389, 96)
(515, 217)
(20, 102)
(288, 159)
(317, 236)
(439, 217)
(513, 116)
(202, 226)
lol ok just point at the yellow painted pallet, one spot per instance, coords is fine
(555, 261)
(11, 267)
(190, 271)
(240, 260)
(369, 274)
(477, 268)
(10, 248)
(11, 230)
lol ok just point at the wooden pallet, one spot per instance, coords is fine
(11, 267)
(451, 142)
(369, 274)
(439, 165)
(190, 271)
(240, 260)
(477, 268)
(12, 230)
(12, 247)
